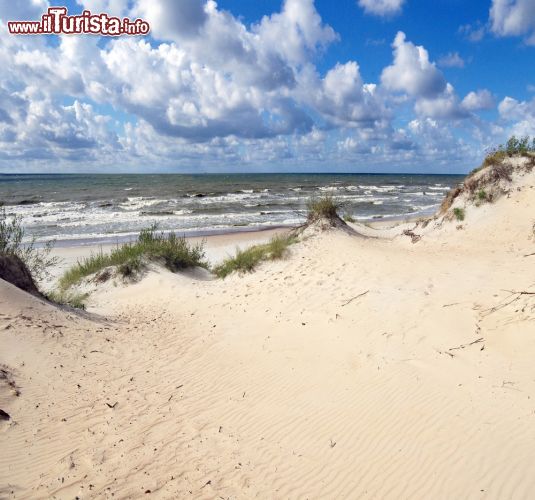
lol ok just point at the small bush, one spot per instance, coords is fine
(517, 145)
(325, 207)
(173, 251)
(12, 234)
(247, 260)
(459, 213)
(349, 218)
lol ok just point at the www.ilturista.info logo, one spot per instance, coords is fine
(56, 22)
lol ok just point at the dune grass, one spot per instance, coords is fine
(173, 251)
(247, 260)
(65, 297)
(325, 207)
(349, 218)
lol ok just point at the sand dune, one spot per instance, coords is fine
(358, 367)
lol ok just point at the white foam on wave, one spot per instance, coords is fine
(139, 202)
(380, 189)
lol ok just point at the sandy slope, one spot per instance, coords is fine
(356, 368)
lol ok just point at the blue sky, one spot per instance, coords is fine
(353, 85)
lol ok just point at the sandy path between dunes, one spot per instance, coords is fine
(356, 368)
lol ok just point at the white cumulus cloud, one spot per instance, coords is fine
(412, 72)
(207, 89)
(514, 18)
(451, 60)
(381, 7)
(478, 100)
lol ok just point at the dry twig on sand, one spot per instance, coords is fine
(355, 297)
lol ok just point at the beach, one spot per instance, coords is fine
(276, 250)
(386, 362)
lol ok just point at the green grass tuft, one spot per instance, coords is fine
(247, 260)
(325, 207)
(459, 213)
(172, 250)
(349, 218)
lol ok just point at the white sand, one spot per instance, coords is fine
(355, 368)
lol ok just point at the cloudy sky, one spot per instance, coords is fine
(242, 85)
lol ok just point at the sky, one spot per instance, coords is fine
(269, 86)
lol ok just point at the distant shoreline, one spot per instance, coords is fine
(226, 232)
(78, 210)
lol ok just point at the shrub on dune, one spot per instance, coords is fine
(12, 242)
(513, 147)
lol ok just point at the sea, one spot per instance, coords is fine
(86, 208)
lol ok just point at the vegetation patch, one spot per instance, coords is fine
(12, 242)
(349, 218)
(173, 251)
(247, 260)
(459, 213)
(482, 196)
(496, 171)
(325, 207)
(68, 298)
(515, 146)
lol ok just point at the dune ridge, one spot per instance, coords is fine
(377, 367)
